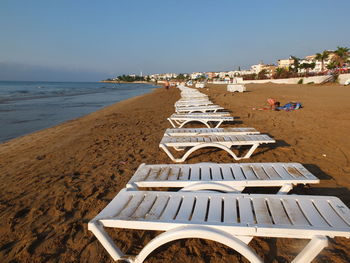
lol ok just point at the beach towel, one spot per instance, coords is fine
(291, 106)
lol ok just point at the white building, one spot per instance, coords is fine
(257, 68)
(285, 63)
(196, 75)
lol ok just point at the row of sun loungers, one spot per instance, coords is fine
(225, 139)
(226, 215)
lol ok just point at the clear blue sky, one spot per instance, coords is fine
(90, 40)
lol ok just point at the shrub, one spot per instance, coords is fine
(300, 81)
(262, 74)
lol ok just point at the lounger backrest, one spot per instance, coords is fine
(247, 174)
(255, 215)
(208, 131)
(230, 139)
(201, 117)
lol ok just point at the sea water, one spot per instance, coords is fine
(26, 107)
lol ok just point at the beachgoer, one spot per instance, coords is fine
(166, 84)
(274, 104)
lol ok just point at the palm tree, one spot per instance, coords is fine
(331, 65)
(281, 73)
(295, 63)
(307, 67)
(322, 57)
(341, 56)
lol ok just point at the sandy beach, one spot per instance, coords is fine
(54, 181)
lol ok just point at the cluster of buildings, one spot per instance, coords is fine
(267, 69)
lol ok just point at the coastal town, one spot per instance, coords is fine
(328, 62)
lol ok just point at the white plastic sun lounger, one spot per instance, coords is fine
(180, 143)
(209, 131)
(231, 219)
(228, 177)
(178, 121)
(209, 108)
(192, 93)
(193, 96)
(218, 113)
(193, 99)
(192, 103)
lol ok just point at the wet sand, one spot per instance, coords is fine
(54, 181)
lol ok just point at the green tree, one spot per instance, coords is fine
(322, 57)
(307, 67)
(296, 64)
(262, 74)
(281, 73)
(341, 56)
(249, 76)
(180, 76)
(331, 65)
(201, 78)
(129, 78)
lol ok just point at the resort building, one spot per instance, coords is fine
(196, 75)
(211, 75)
(285, 63)
(270, 69)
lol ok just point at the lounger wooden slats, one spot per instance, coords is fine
(199, 99)
(209, 108)
(192, 103)
(231, 219)
(209, 131)
(224, 142)
(195, 96)
(210, 114)
(180, 120)
(231, 177)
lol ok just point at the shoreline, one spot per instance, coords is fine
(55, 180)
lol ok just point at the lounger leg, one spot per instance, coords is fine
(185, 122)
(171, 156)
(250, 152)
(203, 145)
(200, 232)
(207, 124)
(218, 125)
(171, 122)
(285, 189)
(312, 249)
(178, 122)
(105, 240)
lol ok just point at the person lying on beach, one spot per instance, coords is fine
(273, 105)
